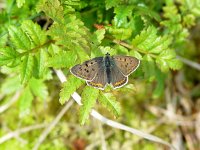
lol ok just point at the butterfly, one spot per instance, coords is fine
(100, 71)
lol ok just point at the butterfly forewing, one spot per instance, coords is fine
(117, 78)
(88, 69)
(100, 80)
(126, 64)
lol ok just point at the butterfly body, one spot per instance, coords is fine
(100, 71)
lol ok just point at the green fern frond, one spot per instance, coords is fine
(25, 101)
(7, 56)
(19, 39)
(68, 88)
(64, 59)
(89, 97)
(26, 68)
(109, 102)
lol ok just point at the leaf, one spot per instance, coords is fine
(62, 60)
(20, 40)
(68, 88)
(4, 39)
(146, 11)
(122, 12)
(148, 67)
(135, 54)
(72, 33)
(111, 3)
(40, 59)
(26, 68)
(89, 97)
(162, 64)
(167, 54)
(149, 41)
(160, 78)
(121, 33)
(20, 3)
(38, 37)
(25, 101)
(175, 64)
(7, 55)
(38, 88)
(109, 102)
(100, 35)
(52, 8)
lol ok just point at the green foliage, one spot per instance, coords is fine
(59, 60)
(39, 36)
(109, 102)
(8, 56)
(19, 39)
(89, 97)
(38, 88)
(26, 68)
(20, 3)
(25, 101)
(157, 47)
(69, 87)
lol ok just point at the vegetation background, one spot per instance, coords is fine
(39, 37)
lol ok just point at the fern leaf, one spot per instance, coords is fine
(40, 60)
(148, 66)
(150, 42)
(52, 8)
(62, 59)
(26, 68)
(38, 88)
(20, 3)
(34, 31)
(89, 97)
(109, 102)
(7, 56)
(25, 101)
(69, 87)
(20, 40)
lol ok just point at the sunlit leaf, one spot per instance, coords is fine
(68, 88)
(26, 68)
(25, 101)
(89, 97)
(109, 102)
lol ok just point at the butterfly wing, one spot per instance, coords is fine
(126, 64)
(117, 78)
(100, 80)
(88, 69)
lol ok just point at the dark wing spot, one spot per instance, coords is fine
(91, 63)
(92, 69)
(86, 65)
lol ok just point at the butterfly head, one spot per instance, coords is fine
(107, 54)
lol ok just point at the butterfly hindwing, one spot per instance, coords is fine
(100, 79)
(117, 78)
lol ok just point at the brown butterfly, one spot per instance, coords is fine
(100, 71)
